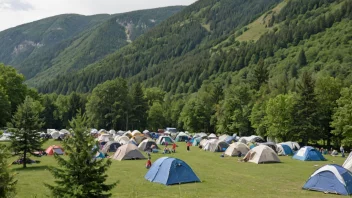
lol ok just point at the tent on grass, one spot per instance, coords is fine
(168, 171)
(54, 149)
(104, 138)
(182, 137)
(348, 163)
(99, 155)
(128, 134)
(162, 139)
(283, 149)
(55, 134)
(293, 145)
(110, 146)
(308, 153)
(212, 136)
(126, 152)
(236, 147)
(203, 142)
(136, 132)
(330, 179)
(230, 139)
(215, 145)
(147, 144)
(196, 141)
(252, 138)
(269, 144)
(262, 154)
(122, 140)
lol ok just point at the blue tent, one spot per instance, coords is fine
(287, 150)
(308, 153)
(229, 139)
(331, 179)
(168, 171)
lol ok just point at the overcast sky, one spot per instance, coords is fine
(17, 12)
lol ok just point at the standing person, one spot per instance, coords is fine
(148, 164)
(342, 151)
(166, 143)
(174, 147)
(188, 145)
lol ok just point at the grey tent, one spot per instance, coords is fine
(128, 151)
(110, 146)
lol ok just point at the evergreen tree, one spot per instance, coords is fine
(305, 110)
(301, 59)
(7, 180)
(261, 74)
(5, 106)
(80, 175)
(25, 137)
(139, 107)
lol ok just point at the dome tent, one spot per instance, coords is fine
(330, 179)
(262, 154)
(236, 147)
(54, 149)
(110, 146)
(212, 136)
(122, 140)
(283, 149)
(293, 145)
(126, 152)
(308, 153)
(162, 139)
(348, 163)
(182, 137)
(215, 145)
(146, 145)
(196, 141)
(168, 171)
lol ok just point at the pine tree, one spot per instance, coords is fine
(25, 137)
(261, 74)
(7, 180)
(302, 60)
(306, 120)
(81, 175)
(139, 107)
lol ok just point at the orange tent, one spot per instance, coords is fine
(54, 149)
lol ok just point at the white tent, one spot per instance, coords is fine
(145, 132)
(93, 131)
(252, 138)
(122, 140)
(112, 131)
(64, 131)
(55, 134)
(212, 136)
(203, 142)
(236, 147)
(136, 132)
(348, 163)
(5, 137)
(215, 145)
(128, 134)
(262, 154)
(223, 137)
(102, 131)
(104, 138)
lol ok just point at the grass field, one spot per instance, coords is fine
(221, 177)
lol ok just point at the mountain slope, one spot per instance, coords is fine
(64, 43)
(192, 31)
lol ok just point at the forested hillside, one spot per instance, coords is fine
(57, 45)
(186, 37)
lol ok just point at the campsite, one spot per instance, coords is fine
(220, 177)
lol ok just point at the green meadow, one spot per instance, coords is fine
(221, 177)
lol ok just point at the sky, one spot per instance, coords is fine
(17, 12)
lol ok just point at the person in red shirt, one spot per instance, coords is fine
(148, 164)
(188, 145)
(174, 147)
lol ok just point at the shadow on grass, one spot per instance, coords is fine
(29, 168)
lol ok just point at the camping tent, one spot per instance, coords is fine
(212, 136)
(128, 151)
(122, 140)
(138, 138)
(223, 137)
(348, 162)
(99, 155)
(110, 146)
(262, 154)
(308, 153)
(104, 138)
(128, 134)
(330, 179)
(283, 149)
(64, 131)
(229, 139)
(203, 142)
(252, 138)
(93, 131)
(293, 145)
(269, 144)
(236, 147)
(55, 134)
(182, 137)
(101, 131)
(162, 139)
(112, 131)
(146, 145)
(120, 133)
(54, 149)
(168, 171)
(215, 145)
(196, 141)
(136, 132)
